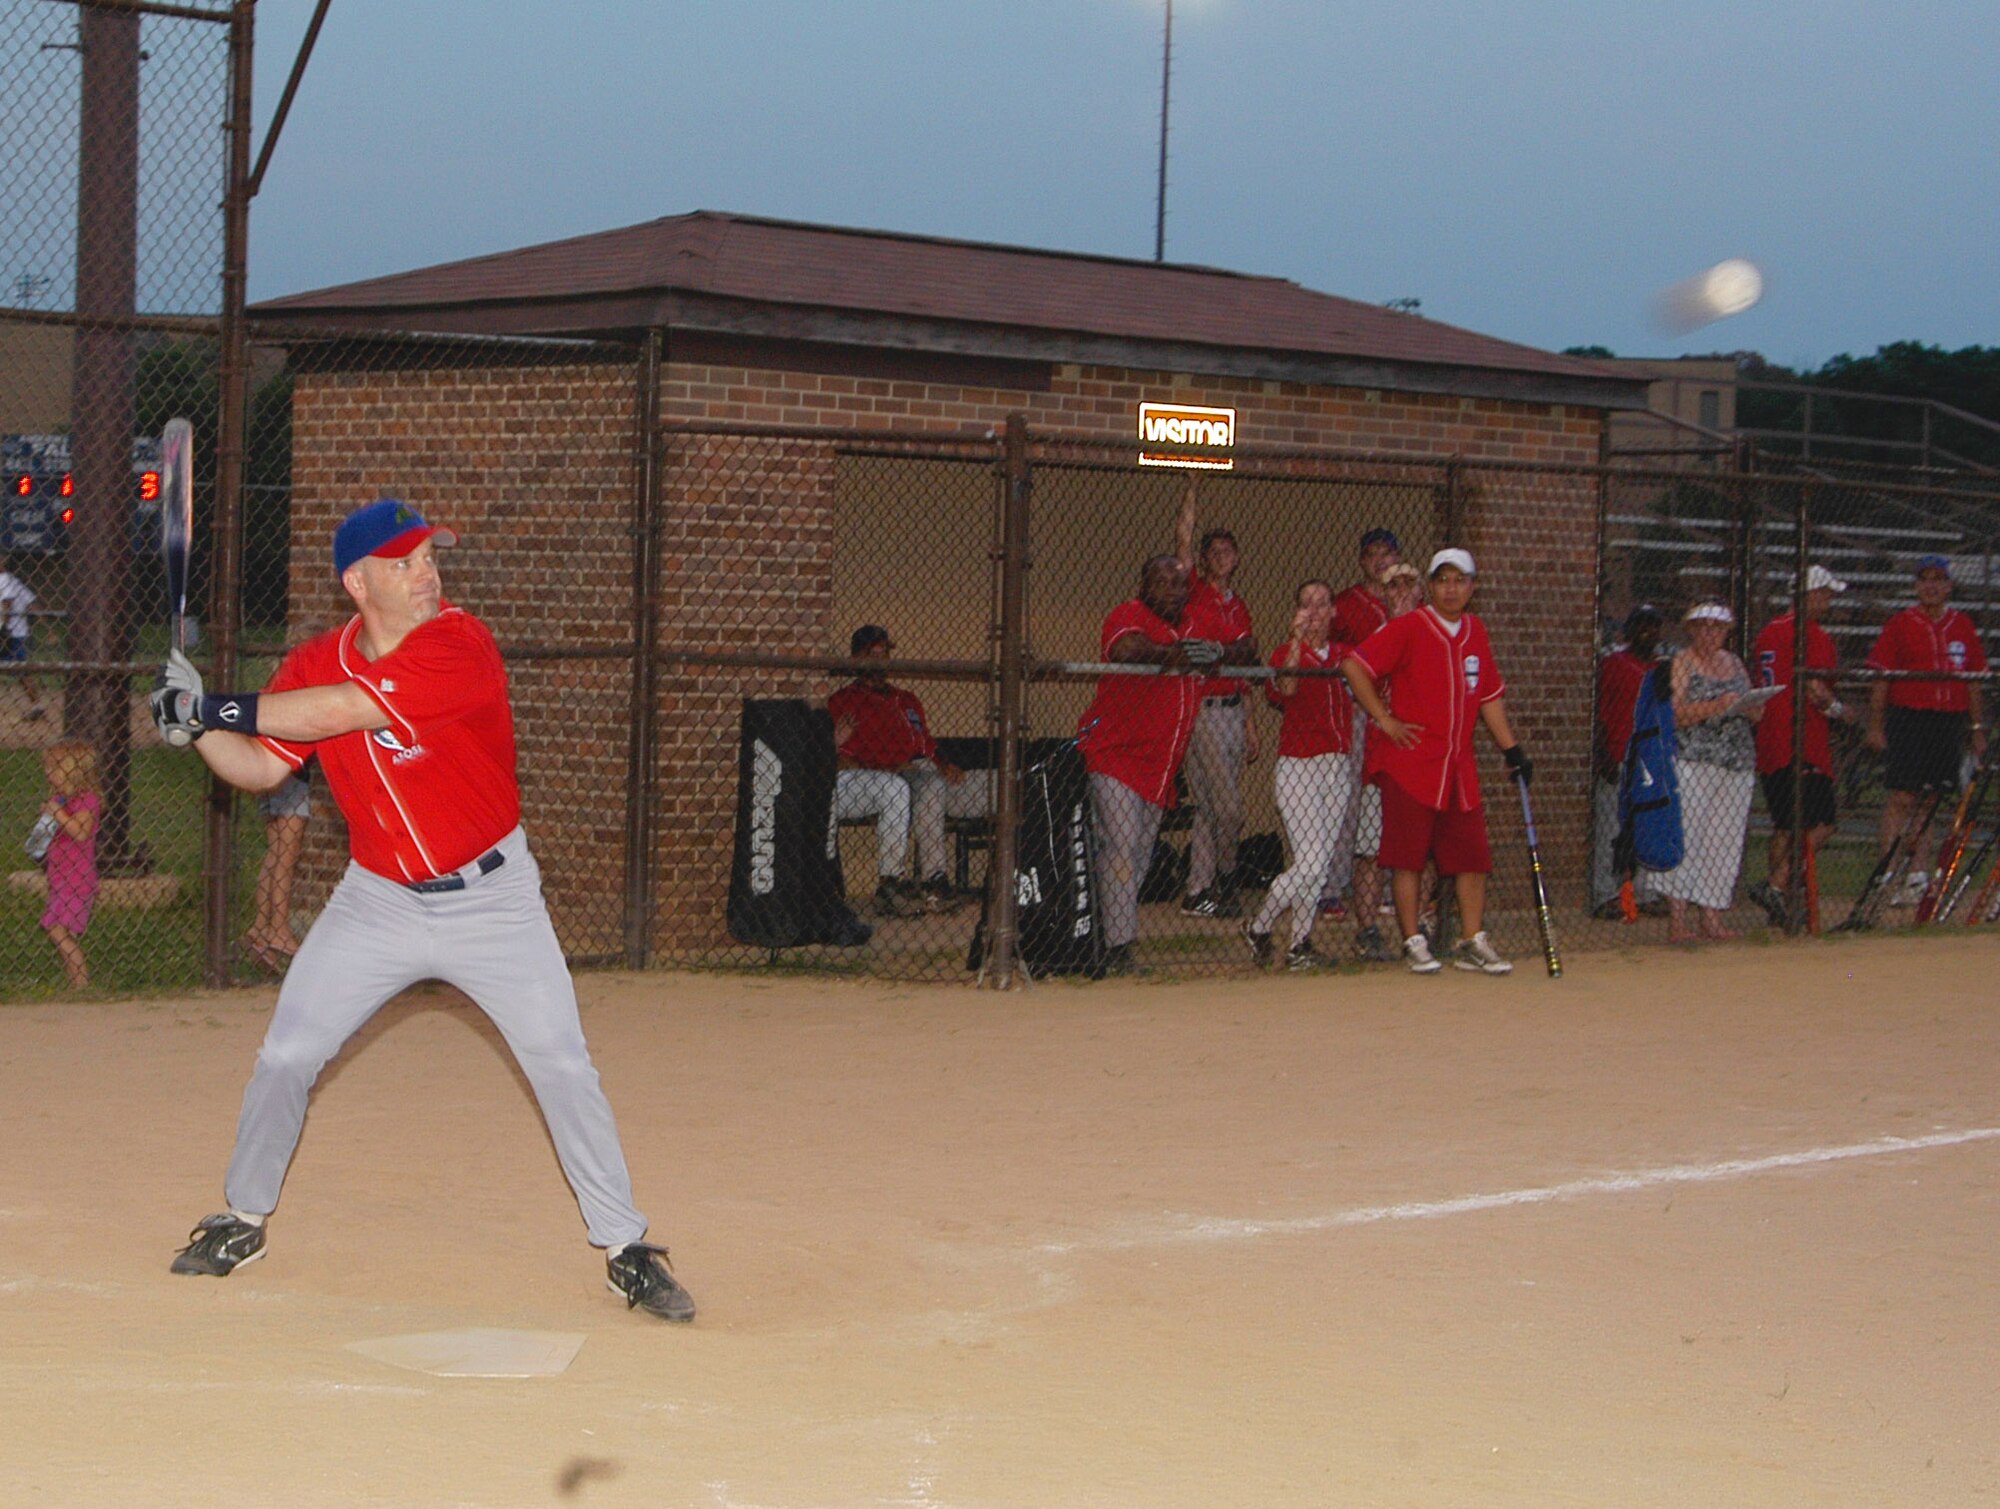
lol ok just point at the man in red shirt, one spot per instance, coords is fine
(1443, 680)
(1358, 612)
(1922, 726)
(1619, 677)
(1225, 733)
(890, 770)
(406, 707)
(1133, 737)
(1771, 665)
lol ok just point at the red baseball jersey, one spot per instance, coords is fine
(1319, 714)
(1221, 616)
(889, 726)
(1771, 665)
(435, 789)
(1618, 681)
(1136, 728)
(1913, 641)
(1357, 613)
(1438, 680)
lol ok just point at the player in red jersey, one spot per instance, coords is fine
(1443, 681)
(1619, 677)
(1310, 777)
(1924, 726)
(1225, 732)
(890, 770)
(407, 709)
(1358, 611)
(1133, 737)
(1771, 665)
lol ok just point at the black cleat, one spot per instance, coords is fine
(640, 1273)
(1261, 948)
(219, 1246)
(1304, 956)
(1200, 904)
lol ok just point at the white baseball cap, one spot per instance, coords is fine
(1453, 557)
(1717, 613)
(1818, 577)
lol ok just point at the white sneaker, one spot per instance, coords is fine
(1479, 956)
(1417, 953)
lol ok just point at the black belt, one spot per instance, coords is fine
(490, 861)
(1230, 701)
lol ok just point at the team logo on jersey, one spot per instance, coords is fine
(1955, 653)
(401, 753)
(1767, 667)
(1472, 673)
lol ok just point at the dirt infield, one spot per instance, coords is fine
(1682, 1230)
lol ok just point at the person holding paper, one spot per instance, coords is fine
(1716, 716)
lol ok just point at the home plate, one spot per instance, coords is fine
(476, 1353)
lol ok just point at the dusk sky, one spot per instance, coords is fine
(1535, 170)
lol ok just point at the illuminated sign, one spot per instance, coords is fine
(1188, 435)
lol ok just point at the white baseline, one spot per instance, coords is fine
(1218, 1230)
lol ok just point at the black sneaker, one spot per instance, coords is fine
(219, 1246)
(1225, 892)
(1372, 946)
(940, 895)
(1261, 948)
(1200, 904)
(898, 898)
(1772, 900)
(639, 1271)
(1304, 956)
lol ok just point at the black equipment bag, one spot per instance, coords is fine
(786, 888)
(1055, 881)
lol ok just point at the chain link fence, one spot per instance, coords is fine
(112, 255)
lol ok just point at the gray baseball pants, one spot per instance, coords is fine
(1127, 826)
(1214, 767)
(494, 941)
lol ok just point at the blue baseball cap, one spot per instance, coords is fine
(1382, 537)
(1933, 563)
(387, 527)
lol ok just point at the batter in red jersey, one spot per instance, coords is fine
(1443, 680)
(407, 709)
(1923, 726)
(1133, 737)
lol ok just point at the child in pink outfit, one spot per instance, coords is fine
(71, 768)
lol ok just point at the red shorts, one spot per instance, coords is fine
(1413, 834)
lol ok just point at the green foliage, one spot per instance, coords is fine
(1967, 379)
(1601, 353)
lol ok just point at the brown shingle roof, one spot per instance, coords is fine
(857, 275)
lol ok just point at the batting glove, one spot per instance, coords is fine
(181, 675)
(176, 715)
(1201, 651)
(1519, 766)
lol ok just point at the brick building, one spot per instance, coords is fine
(427, 384)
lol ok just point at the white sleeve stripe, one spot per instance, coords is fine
(297, 762)
(408, 729)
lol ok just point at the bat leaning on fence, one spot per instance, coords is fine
(1951, 852)
(1891, 867)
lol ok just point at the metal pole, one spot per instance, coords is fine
(1795, 883)
(641, 795)
(104, 415)
(1166, 78)
(1000, 960)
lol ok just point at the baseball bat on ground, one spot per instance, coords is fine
(177, 521)
(1542, 918)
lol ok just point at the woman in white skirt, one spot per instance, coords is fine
(1717, 769)
(1313, 786)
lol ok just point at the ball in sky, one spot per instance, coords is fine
(1727, 288)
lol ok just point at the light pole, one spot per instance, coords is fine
(1166, 79)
